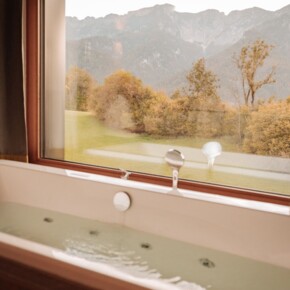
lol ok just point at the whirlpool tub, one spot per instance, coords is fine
(59, 229)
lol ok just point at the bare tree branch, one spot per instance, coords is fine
(251, 58)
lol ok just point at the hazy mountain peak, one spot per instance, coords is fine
(285, 9)
(210, 12)
(159, 44)
(112, 15)
(165, 8)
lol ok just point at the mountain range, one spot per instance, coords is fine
(159, 45)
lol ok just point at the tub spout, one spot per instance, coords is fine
(125, 173)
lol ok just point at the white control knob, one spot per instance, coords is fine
(122, 201)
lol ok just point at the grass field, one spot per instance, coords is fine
(83, 132)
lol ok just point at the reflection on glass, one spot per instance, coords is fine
(211, 150)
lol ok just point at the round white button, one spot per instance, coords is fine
(122, 201)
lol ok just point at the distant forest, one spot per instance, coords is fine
(194, 110)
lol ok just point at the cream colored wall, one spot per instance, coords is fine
(254, 234)
(54, 72)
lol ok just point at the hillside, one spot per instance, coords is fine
(159, 45)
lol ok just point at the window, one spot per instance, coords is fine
(122, 88)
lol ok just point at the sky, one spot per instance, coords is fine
(100, 8)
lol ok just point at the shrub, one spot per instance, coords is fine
(268, 132)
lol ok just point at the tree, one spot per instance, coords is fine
(202, 84)
(79, 89)
(251, 58)
(206, 110)
(123, 101)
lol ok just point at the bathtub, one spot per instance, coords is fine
(248, 229)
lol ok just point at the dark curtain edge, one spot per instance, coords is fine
(13, 131)
(20, 158)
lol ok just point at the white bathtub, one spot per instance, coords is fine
(249, 229)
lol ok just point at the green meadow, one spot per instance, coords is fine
(116, 149)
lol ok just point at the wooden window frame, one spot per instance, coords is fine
(33, 118)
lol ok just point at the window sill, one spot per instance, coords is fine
(281, 209)
(214, 198)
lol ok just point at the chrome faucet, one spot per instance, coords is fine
(175, 160)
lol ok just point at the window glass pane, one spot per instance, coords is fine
(125, 81)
